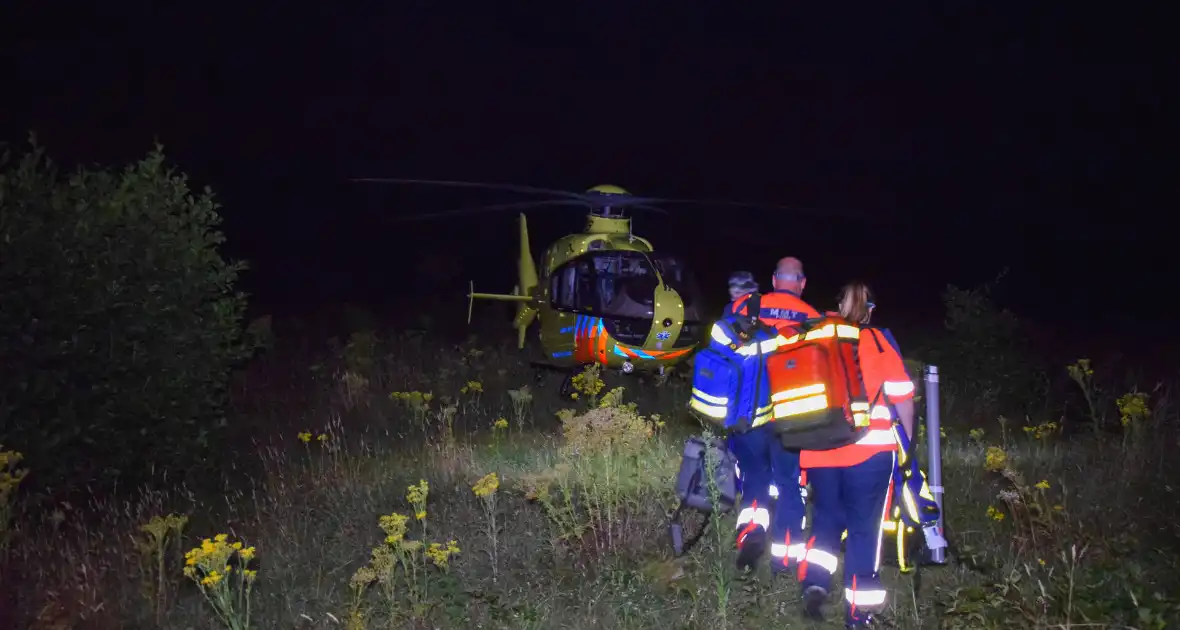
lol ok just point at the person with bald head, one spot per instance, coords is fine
(784, 308)
(764, 463)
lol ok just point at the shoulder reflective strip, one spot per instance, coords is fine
(821, 333)
(767, 346)
(860, 406)
(898, 388)
(799, 392)
(881, 412)
(709, 398)
(845, 331)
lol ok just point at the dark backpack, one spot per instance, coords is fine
(692, 486)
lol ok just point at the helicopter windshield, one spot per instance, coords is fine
(607, 283)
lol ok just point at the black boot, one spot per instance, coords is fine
(859, 622)
(814, 598)
(751, 546)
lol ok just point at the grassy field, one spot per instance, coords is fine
(410, 485)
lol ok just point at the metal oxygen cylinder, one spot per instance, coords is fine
(935, 541)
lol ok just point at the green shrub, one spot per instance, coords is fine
(984, 356)
(118, 317)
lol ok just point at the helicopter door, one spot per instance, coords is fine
(678, 276)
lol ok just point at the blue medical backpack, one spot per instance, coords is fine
(730, 387)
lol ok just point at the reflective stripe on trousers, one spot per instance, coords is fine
(855, 498)
(766, 469)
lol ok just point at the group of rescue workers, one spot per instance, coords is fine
(851, 481)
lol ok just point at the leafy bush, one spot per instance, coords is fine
(984, 355)
(118, 317)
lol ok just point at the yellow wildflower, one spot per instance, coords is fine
(487, 485)
(1042, 485)
(417, 494)
(1132, 408)
(501, 423)
(210, 564)
(440, 555)
(305, 436)
(212, 579)
(394, 526)
(428, 396)
(995, 459)
(420, 515)
(994, 514)
(363, 577)
(321, 438)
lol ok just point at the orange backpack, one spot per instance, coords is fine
(817, 392)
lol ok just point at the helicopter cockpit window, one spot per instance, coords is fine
(607, 283)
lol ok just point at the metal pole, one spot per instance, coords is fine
(934, 463)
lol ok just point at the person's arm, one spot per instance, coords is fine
(905, 414)
(899, 389)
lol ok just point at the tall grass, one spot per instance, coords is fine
(1047, 532)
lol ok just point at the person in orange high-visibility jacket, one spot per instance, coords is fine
(850, 485)
(767, 469)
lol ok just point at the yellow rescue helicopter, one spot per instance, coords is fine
(603, 295)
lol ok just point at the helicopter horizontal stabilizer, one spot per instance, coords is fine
(472, 296)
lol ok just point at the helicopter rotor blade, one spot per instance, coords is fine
(520, 205)
(751, 205)
(644, 206)
(530, 190)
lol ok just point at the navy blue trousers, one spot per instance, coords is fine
(855, 498)
(763, 462)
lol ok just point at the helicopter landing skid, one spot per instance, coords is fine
(541, 370)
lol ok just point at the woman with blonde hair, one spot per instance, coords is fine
(851, 485)
(856, 302)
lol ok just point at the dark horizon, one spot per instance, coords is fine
(937, 150)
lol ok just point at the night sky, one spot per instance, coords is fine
(924, 146)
